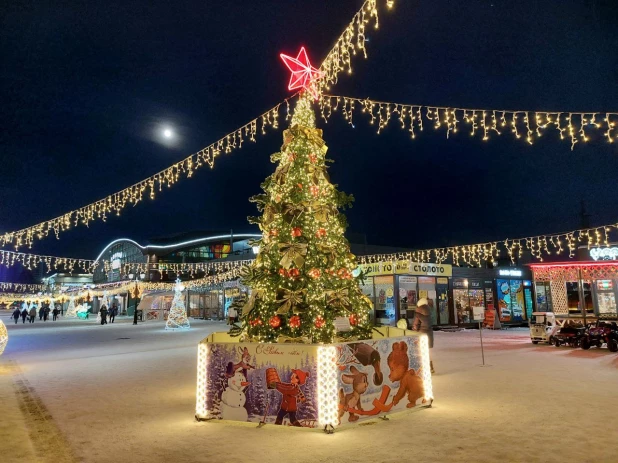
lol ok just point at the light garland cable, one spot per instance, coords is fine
(132, 195)
(190, 268)
(337, 60)
(30, 261)
(523, 124)
(349, 43)
(479, 254)
(21, 287)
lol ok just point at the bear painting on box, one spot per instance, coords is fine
(377, 377)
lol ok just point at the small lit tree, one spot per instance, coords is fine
(71, 310)
(177, 318)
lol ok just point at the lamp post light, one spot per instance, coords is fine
(136, 293)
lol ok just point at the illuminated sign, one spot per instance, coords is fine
(509, 272)
(405, 267)
(604, 253)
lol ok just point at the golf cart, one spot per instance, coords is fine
(542, 327)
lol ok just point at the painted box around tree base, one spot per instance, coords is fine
(312, 385)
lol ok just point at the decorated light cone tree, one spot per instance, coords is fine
(302, 278)
(71, 310)
(177, 318)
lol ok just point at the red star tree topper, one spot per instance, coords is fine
(303, 74)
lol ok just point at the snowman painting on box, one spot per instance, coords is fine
(233, 397)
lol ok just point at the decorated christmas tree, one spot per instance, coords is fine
(177, 318)
(302, 278)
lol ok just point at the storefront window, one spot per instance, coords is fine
(573, 297)
(407, 296)
(367, 289)
(385, 300)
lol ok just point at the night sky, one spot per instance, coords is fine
(87, 85)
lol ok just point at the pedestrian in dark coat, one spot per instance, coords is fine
(103, 315)
(112, 313)
(422, 323)
(55, 313)
(16, 314)
(46, 313)
(41, 313)
(32, 314)
(24, 314)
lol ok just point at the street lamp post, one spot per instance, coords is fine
(136, 293)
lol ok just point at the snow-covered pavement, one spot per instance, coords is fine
(120, 393)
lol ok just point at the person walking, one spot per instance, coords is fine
(55, 313)
(41, 312)
(231, 315)
(24, 314)
(103, 315)
(112, 313)
(16, 314)
(32, 314)
(422, 323)
(46, 313)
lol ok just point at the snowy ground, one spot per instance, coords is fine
(120, 393)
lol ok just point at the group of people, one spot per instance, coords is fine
(111, 313)
(30, 314)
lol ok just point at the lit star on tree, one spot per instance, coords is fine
(303, 74)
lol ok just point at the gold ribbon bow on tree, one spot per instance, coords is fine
(291, 211)
(315, 171)
(288, 299)
(292, 253)
(314, 136)
(248, 306)
(328, 250)
(281, 173)
(338, 298)
(249, 274)
(320, 211)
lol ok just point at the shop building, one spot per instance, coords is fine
(452, 292)
(583, 289)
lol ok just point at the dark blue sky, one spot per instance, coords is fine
(84, 85)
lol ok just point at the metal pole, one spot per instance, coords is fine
(482, 349)
(582, 298)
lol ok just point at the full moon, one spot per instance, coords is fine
(167, 133)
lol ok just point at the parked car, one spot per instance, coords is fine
(601, 333)
(571, 333)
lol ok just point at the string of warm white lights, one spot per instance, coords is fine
(21, 287)
(116, 202)
(338, 59)
(30, 261)
(349, 43)
(479, 254)
(523, 124)
(186, 268)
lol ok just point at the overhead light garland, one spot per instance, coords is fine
(31, 261)
(188, 268)
(116, 202)
(479, 254)
(21, 287)
(350, 42)
(338, 59)
(527, 125)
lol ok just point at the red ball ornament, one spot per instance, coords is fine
(275, 322)
(296, 232)
(283, 272)
(353, 320)
(313, 158)
(314, 273)
(294, 273)
(294, 321)
(314, 190)
(319, 322)
(320, 233)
